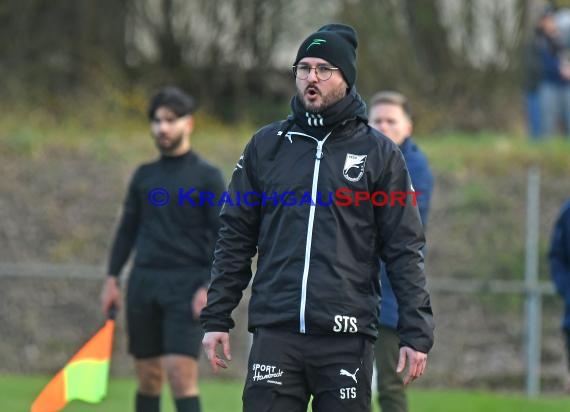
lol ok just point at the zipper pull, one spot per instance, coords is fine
(319, 154)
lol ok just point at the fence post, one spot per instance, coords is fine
(533, 293)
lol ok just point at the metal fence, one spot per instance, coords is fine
(530, 288)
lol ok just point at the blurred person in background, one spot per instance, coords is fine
(313, 310)
(174, 247)
(390, 113)
(559, 258)
(548, 76)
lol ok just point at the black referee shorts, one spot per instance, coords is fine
(286, 368)
(160, 320)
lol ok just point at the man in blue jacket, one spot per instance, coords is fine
(549, 75)
(559, 257)
(391, 115)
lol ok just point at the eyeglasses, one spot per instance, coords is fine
(323, 72)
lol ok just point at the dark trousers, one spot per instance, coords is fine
(286, 368)
(391, 390)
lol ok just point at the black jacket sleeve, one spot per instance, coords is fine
(236, 246)
(127, 230)
(401, 239)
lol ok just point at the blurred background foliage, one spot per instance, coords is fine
(459, 60)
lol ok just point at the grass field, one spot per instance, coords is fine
(17, 393)
(111, 136)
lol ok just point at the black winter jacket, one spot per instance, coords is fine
(317, 269)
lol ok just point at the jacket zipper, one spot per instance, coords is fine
(318, 157)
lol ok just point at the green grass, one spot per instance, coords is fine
(455, 401)
(218, 395)
(225, 396)
(493, 154)
(112, 132)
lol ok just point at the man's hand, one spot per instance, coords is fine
(210, 342)
(417, 362)
(199, 302)
(110, 295)
(565, 70)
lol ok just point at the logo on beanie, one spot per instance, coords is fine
(316, 42)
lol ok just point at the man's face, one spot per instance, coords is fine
(169, 130)
(315, 94)
(391, 120)
(549, 26)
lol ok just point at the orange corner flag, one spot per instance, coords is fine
(85, 376)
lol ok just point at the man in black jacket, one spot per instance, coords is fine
(314, 196)
(174, 240)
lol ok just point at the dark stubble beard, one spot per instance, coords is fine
(175, 144)
(327, 100)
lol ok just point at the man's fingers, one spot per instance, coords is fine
(226, 347)
(407, 379)
(210, 342)
(221, 363)
(401, 360)
(412, 369)
(213, 360)
(110, 296)
(211, 355)
(417, 364)
(107, 302)
(422, 363)
(406, 354)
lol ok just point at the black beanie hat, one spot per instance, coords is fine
(335, 43)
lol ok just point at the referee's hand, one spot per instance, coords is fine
(417, 362)
(210, 342)
(110, 295)
(199, 302)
